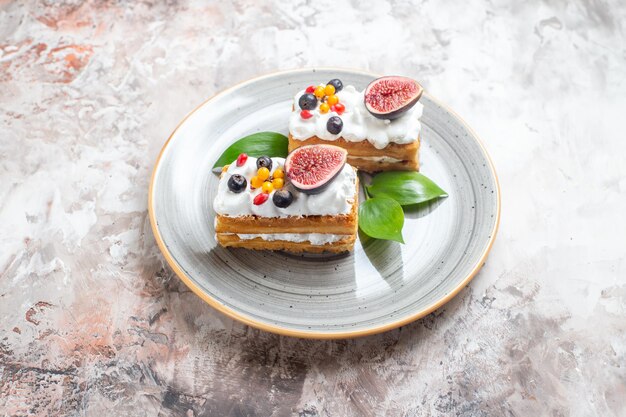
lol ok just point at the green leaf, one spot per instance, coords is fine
(258, 144)
(382, 218)
(406, 187)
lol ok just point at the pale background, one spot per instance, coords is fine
(94, 322)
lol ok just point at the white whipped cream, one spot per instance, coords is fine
(317, 239)
(358, 123)
(376, 158)
(337, 198)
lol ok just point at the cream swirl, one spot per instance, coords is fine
(358, 123)
(337, 198)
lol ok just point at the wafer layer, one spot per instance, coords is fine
(375, 166)
(339, 225)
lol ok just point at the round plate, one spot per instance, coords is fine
(380, 285)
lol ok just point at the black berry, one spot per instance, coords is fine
(237, 183)
(264, 161)
(334, 125)
(307, 101)
(282, 198)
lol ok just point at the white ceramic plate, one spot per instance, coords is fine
(379, 286)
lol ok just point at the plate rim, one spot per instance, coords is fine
(261, 325)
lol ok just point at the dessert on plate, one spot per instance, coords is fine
(379, 127)
(306, 202)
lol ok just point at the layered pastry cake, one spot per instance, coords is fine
(307, 202)
(379, 127)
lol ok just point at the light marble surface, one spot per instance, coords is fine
(94, 322)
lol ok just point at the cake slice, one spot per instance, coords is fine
(259, 207)
(339, 116)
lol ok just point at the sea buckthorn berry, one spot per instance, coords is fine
(310, 89)
(278, 173)
(241, 159)
(256, 182)
(324, 107)
(267, 187)
(329, 90)
(332, 100)
(225, 168)
(260, 199)
(305, 114)
(263, 173)
(319, 91)
(339, 108)
(278, 183)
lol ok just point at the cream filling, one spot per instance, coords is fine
(317, 239)
(381, 159)
(358, 122)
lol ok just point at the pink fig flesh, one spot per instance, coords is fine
(311, 168)
(391, 97)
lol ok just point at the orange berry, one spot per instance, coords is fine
(268, 187)
(256, 182)
(332, 100)
(319, 91)
(278, 173)
(324, 107)
(329, 90)
(263, 173)
(278, 183)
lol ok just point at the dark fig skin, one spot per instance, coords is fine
(320, 188)
(397, 112)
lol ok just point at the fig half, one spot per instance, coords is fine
(390, 97)
(311, 168)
